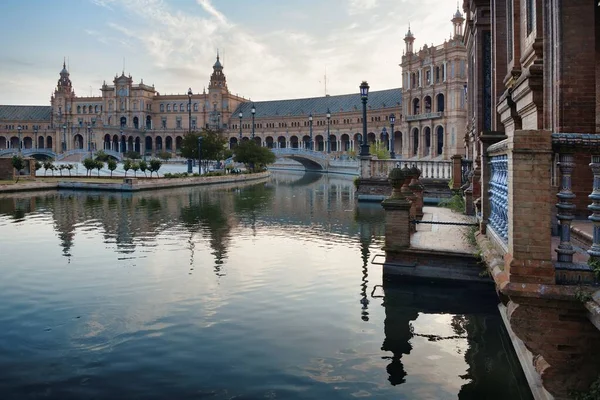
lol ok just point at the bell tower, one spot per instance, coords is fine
(458, 21)
(217, 104)
(409, 39)
(62, 98)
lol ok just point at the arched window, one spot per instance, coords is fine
(162, 108)
(181, 107)
(96, 109)
(416, 106)
(195, 106)
(427, 101)
(440, 102)
(123, 122)
(78, 109)
(168, 107)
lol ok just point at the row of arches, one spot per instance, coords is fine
(97, 109)
(423, 144)
(428, 105)
(124, 143)
(44, 142)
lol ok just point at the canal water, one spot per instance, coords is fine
(263, 291)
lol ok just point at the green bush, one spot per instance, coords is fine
(455, 203)
(101, 156)
(134, 155)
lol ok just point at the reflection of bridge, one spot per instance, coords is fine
(57, 157)
(316, 160)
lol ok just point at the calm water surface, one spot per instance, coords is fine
(264, 291)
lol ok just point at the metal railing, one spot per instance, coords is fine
(419, 117)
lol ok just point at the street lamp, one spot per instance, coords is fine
(64, 143)
(190, 109)
(310, 119)
(200, 155)
(35, 133)
(364, 96)
(89, 128)
(328, 135)
(392, 120)
(253, 111)
(122, 143)
(19, 129)
(241, 115)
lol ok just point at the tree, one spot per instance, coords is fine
(135, 166)
(89, 165)
(18, 163)
(48, 166)
(69, 168)
(99, 165)
(101, 155)
(61, 167)
(143, 167)
(112, 165)
(164, 155)
(379, 151)
(127, 166)
(134, 155)
(213, 145)
(38, 165)
(155, 165)
(252, 155)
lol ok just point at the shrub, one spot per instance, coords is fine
(101, 155)
(18, 163)
(134, 155)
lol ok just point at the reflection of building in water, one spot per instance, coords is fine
(490, 357)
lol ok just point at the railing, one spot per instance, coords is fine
(301, 152)
(465, 167)
(344, 163)
(68, 153)
(498, 196)
(48, 152)
(432, 169)
(420, 117)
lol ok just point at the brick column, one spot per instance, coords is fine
(486, 139)
(456, 171)
(397, 215)
(529, 208)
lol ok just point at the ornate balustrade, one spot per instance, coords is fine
(433, 169)
(498, 196)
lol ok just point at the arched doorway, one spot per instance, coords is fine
(294, 142)
(28, 143)
(319, 143)
(345, 140)
(281, 142)
(115, 143)
(427, 132)
(169, 143)
(49, 142)
(14, 142)
(269, 141)
(398, 142)
(245, 139)
(306, 142)
(439, 132)
(159, 143)
(258, 140)
(130, 144)
(440, 102)
(3, 142)
(148, 145)
(333, 143)
(123, 122)
(371, 138)
(107, 142)
(40, 142)
(178, 142)
(233, 142)
(137, 145)
(123, 144)
(148, 122)
(78, 142)
(136, 123)
(415, 141)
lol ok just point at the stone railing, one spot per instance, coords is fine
(435, 169)
(420, 117)
(301, 152)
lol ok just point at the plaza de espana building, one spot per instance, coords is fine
(429, 110)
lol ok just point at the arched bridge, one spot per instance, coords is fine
(311, 160)
(57, 156)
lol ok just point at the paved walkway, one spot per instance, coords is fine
(451, 238)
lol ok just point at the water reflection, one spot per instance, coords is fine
(256, 291)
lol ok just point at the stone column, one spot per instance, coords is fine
(397, 214)
(417, 188)
(530, 200)
(365, 167)
(486, 139)
(456, 171)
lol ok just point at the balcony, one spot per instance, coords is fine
(420, 117)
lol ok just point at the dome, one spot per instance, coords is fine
(457, 14)
(218, 64)
(409, 34)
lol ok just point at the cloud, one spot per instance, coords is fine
(209, 8)
(103, 3)
(361, 6)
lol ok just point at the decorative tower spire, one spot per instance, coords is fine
(64, 83)
(457, 21)
(409, 39)
(217, 79)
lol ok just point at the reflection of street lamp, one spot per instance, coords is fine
(190, 109)
(364, 96)
(200, 155)
(241, 115)
(392, 120)
(253, 111)
(310, 119)
(64, 143)
(19, 129)
(328, 135)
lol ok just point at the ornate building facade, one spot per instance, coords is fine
(132, 116)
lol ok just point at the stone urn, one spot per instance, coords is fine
(396, 179)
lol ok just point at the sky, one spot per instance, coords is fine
(270, 49)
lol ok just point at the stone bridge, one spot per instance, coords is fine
(57, 156)
(318, 161)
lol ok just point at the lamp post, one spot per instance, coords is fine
(200, 155)
(310, 119)
(122, 144)
(241, 115)
(253, 111)
(64, 143)
(190, 110)
(392, 120)
(19, 129)
(89, 138)
(328, 135)
(364, 96)
(384, 137)
(35, 133)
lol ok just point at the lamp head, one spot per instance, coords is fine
(364, 90)
(19, 128)
(392, 118)
(253, 109)
(310, 117)
(190, 93)
(240, 115)
(328, 114)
